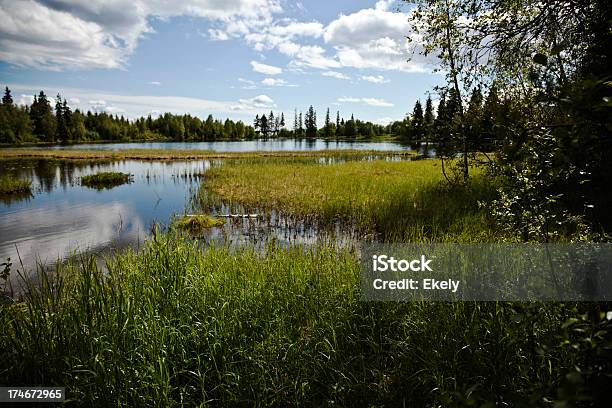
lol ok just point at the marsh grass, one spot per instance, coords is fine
(13, 185)
(105, 180)
(196, 224)
(176, 325)
(398, 200)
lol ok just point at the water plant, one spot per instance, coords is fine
(13, 185)
(105, 180)
(196, 224)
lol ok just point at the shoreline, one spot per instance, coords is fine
(164, 154)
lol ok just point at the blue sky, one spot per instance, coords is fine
(230, 58)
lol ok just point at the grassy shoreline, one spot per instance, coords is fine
(165, 154)
(172, 325)
(403, 201)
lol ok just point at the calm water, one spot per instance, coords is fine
(62, 216)
(247, 145)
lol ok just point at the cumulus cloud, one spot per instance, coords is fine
(375, 38)
(335, 74)
(376, 79)
(368, 101)
(134, 106)
(265, 69)
(257, 102)
(58, 34)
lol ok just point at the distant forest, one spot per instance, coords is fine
(50, 121)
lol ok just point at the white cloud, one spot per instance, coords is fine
(274, 82)
(133, 106)
(265, 69)
(375, 38)
(376, 79)
(335, 74)
(257, 102)
(368, 101)
(156, 83)
(25, 99)
(75, 34)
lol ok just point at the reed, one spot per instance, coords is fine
(405, 201)
(176, 325)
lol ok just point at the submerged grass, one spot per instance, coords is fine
(175, 325)
(106, 179)
(13, 185)
(198, 223)
(400, 200)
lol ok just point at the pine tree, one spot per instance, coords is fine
(301, 126)
(271, 122)
(311, 122)
(417, 122)
(473, 120)
(257, 124)
(282, 121)
(296, 126)
(328, 128)
(263, 126)
(490, 117)
(428, 120)
(7, 99)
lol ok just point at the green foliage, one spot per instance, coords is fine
(176, 325)
(105, 180)
(197, 224)
(13, 185)
(397, 201)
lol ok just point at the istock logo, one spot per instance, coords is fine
(383, 263)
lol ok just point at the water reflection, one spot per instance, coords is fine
(248, 145)
(61, 216)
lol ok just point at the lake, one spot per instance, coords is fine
(61, 217)
(245, 145)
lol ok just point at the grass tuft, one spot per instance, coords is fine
(197, 224)
(13, 185)
(104, 180)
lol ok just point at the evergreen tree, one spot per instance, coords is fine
(301, 126)
(350, 130)
(428, 120)
(7, 99)
(264, 126)
(328, 125)
(418, 124)
(490, 113)
(257, 124)
(271, 123)
(473, 120)
(311, 122)
(282, 121)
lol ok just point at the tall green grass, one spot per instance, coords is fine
(399, 200)
(176, 325)
(13, 185)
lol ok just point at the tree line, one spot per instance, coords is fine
(42, 122)
(55, 122)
